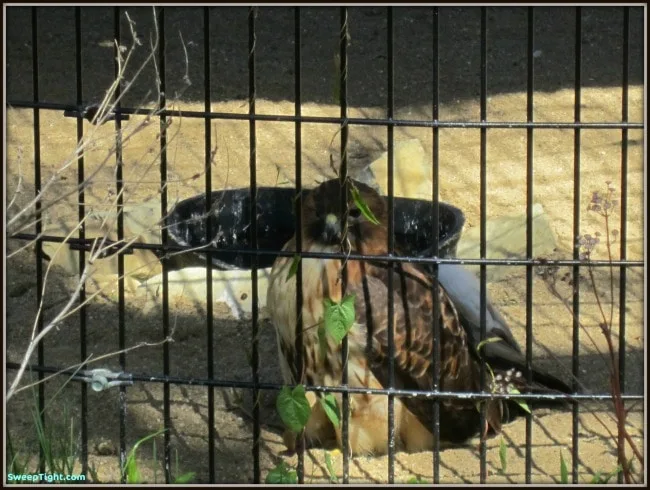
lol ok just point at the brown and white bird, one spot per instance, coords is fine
(413, 325)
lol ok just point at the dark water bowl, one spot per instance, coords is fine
(230, 217)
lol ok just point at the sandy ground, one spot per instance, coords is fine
(459, 152)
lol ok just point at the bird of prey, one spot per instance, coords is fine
(413, 337)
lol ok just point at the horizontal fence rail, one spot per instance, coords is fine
(350, 121)
(114, 248)
(129, 378)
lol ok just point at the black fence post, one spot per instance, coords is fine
(575, 363)
(252, 14)
(530, 114)
(209, 312)
(435, 225)
(82, 236)
(38, 226)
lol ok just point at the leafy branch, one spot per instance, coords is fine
(292, 404)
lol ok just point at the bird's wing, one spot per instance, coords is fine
(463, 288)
(413, 325)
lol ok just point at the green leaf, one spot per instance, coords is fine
(293, 407)
(131, 470)
(281, 474)
(598, 478)
(331, 407)
(330, 468)
(339, 317)
(564, 472)
(322, 341)
(131, 466)
(489, 340)
(363, 207)
(185, 477)
(521, 403)
(293, 270)
(503, 456)
(416, 480)
(489, 368)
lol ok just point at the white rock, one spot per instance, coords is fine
(411, 171)
(232, 287)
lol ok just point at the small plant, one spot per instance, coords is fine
(361, 204)
(293, 407)
(599, 478)
(338, 318)
(131, 470)
(331, 407)
(417, 480)
(330, 468)
(604, 206)
(182, 478)
(564, 472)
(503, 456)
(282, 475)
(501, 383)
(16, 464)
(58, 443)
(292, 404)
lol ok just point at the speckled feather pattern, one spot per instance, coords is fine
(413, 324)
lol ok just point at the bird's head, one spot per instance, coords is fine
(322, 214)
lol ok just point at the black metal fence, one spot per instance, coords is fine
(344, 122)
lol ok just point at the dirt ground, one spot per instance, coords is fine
(459, 180)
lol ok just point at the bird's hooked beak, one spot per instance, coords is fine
(332, 229)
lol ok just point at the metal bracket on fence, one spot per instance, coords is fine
(101, 379)
(89, 113)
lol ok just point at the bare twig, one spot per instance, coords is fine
(27, 215)
(604, 205)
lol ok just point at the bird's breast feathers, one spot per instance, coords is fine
(320, 280)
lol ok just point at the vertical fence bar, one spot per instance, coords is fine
(252, 13)
(82, 236)
(390, 108)
(624, 165)
(162, 101)
(343, 175)
(119, 184)
(483, 206)
(209, 313)
(623, 226)
(434, 248)
(575, 364)
(38, 227)
(300, 469)
(530, 86)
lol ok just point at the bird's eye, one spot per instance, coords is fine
(354, 213)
